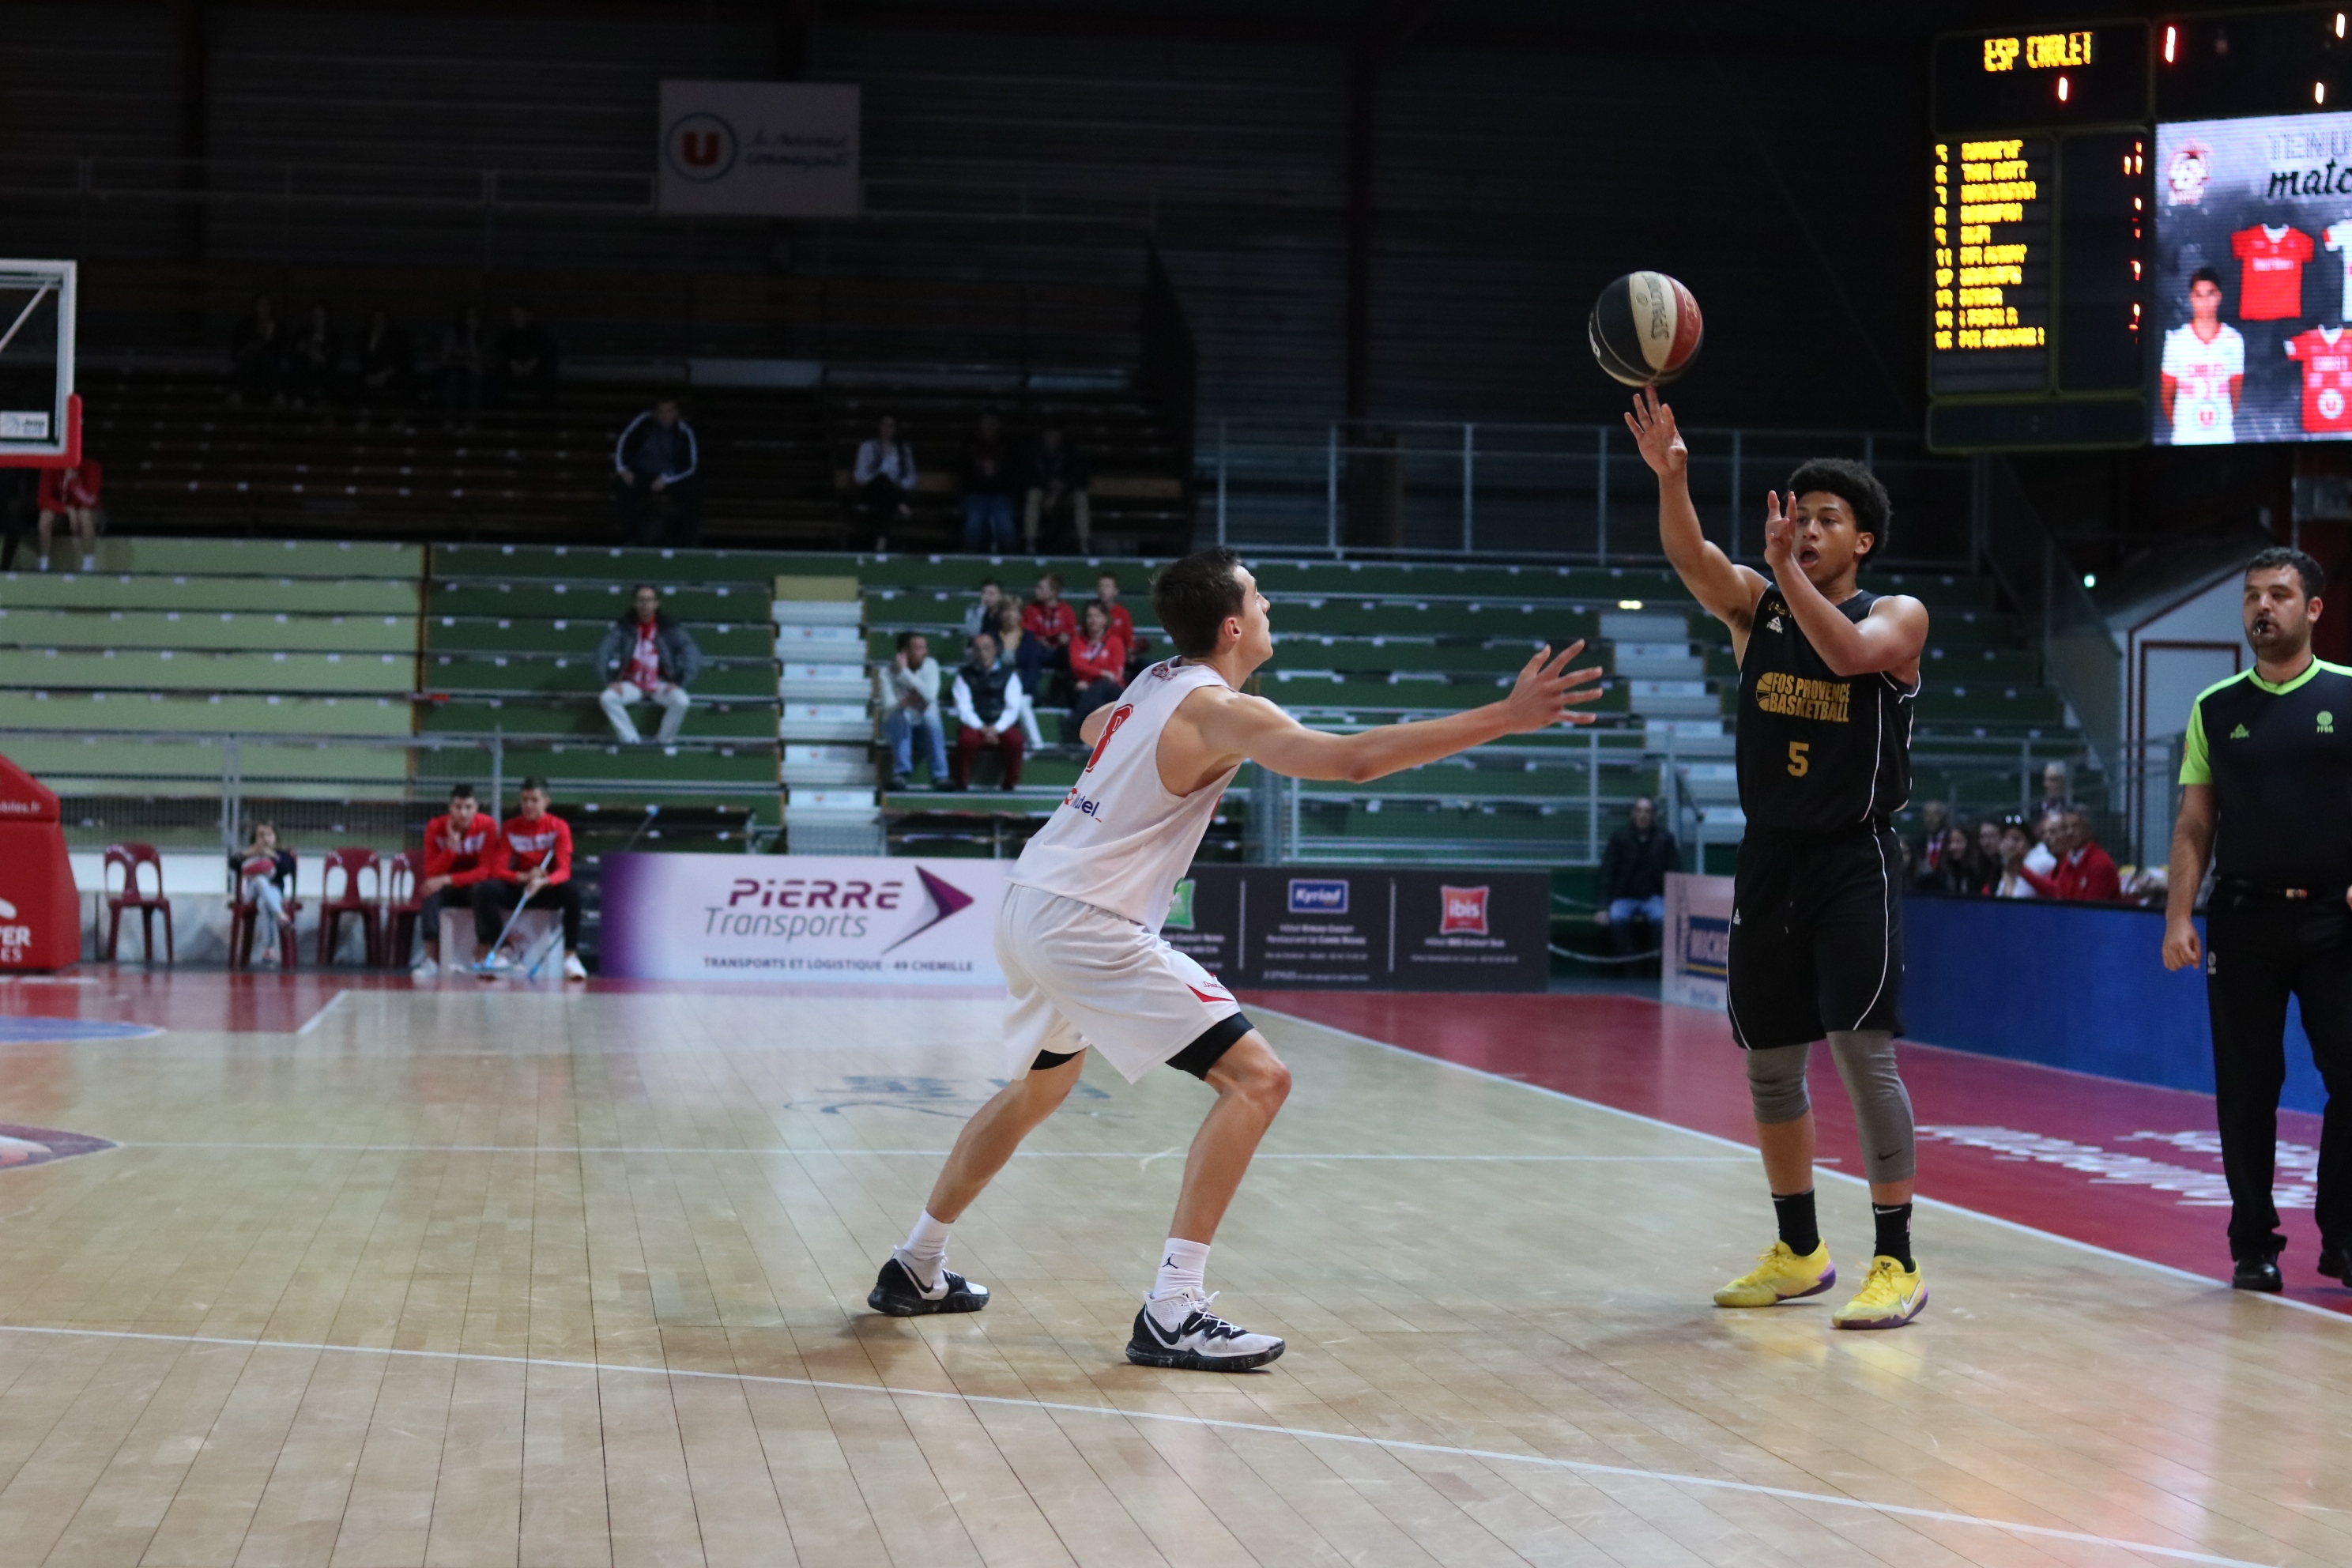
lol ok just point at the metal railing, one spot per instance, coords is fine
(1572, 493)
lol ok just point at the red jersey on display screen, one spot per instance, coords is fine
(2271, 284)
(2326, 356)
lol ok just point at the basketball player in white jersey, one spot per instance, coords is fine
(1078, 936)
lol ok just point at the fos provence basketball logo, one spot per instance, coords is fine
(700, 146)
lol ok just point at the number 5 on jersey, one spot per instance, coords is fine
(1799, 763)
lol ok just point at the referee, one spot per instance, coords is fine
(2268, 763)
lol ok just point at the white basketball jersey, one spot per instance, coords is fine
(1120, 840)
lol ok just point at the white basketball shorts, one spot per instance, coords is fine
(1082, 977)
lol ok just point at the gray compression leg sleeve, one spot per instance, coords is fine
(1776, 1083)
(1882, 1107)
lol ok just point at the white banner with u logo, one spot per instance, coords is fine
(761, 149)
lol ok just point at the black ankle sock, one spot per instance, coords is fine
(1894, 1222)
(1798, 1226)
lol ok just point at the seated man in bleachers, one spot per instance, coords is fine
(524, 358)
(1633, 877)
(1057, 488)
(71, 494)
(884, 474)
(907, 689)
(646, 655)
(654, 467)
(536, 873)
(462, 853)
(257, 351)
(989, 703)
(989, 487)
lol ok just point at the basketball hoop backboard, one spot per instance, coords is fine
(41, 417)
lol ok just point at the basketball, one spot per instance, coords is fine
(1645, 329)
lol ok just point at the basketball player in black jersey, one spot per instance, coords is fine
(1827, 675)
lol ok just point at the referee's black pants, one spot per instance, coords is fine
(2260, 951)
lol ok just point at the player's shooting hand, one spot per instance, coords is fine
(2180, 946)
(1547, 690)
(1655, 432)
(1779, 531)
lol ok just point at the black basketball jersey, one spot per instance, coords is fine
(1819, 752)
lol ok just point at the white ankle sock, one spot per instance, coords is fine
(926, 1250)
(1183, 1274)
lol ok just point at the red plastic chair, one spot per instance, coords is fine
(244, 920)
(404, 906)
(366, 908)
(130, 857)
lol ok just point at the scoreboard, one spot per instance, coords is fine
(2140, 231)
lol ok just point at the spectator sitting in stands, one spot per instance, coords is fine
(387, 365)
(264, 874)
(2044, 831)
(314, 369)
(989, 486)
(1633, 877)
(1952, 868)
(72, 494)
(1047, 624)
(907, 689)
(2054, 798)
(644, 654)
(983, 614)
(537, 873)
(885, 474)
(1107, 595)
(458, 375)
(1057, 485)
(1926, 846)
(1989, 849)
(257, 353)
(2085, 873)
(1097, 665)
(462, 852)
(989, 703)
(1009, 638)
(654, 465)
(523, 357)
(2015, 841)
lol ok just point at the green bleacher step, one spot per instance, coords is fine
(751, 721)
(452, 634)
(221, 630)
(216, 714)
(258, 596)
(263, 557)
(593, 602)
(527, 675)
(168, 670)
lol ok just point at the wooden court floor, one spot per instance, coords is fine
(467, 1276)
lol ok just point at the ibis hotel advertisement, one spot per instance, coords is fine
(801, 917)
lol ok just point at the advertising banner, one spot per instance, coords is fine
(1370, 928)
(1695, 961)
(846, 920)
(759, 149)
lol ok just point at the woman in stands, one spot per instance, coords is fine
(1098, 664)
(265, 879)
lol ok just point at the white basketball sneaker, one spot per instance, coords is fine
(425, 970)
(1201, 1341)
(572, 968)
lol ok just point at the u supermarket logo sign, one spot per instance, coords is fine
(700, 146)
(1318, 896)
(1463, 910)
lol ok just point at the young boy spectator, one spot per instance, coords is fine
(988, 702)
(646, 655)
(983, 612)
(1057, 485)
(885, 474)
(265, 875)
(654, 465)
(908, 692)
(537, 874)
(462, 853)
(2084, 873)
(72, 494)
(988, 488)
(1048, 624)
(1098, 665)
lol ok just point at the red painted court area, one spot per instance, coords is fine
(2118, 1165)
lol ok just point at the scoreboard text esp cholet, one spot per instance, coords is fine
(2037, 217)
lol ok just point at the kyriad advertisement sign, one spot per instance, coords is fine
(801, 917)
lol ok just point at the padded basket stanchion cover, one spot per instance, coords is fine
(41, 913)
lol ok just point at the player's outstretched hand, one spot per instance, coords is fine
(1547, 691)
(1653, 423)
(1779, 531)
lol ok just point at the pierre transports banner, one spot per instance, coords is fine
(801, 917)
(759, 149)
(1695, 962)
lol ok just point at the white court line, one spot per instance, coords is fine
(2037, 1235)
(320, 1017)
(932, 1153)
(1306, 1433)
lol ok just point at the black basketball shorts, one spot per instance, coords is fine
(1816, 936)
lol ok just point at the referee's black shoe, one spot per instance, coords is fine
(897, 1293)
(2259, 1271)
(2334, 1264)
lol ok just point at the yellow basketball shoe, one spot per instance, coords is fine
(1780, 1275)
(1890, 1298)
